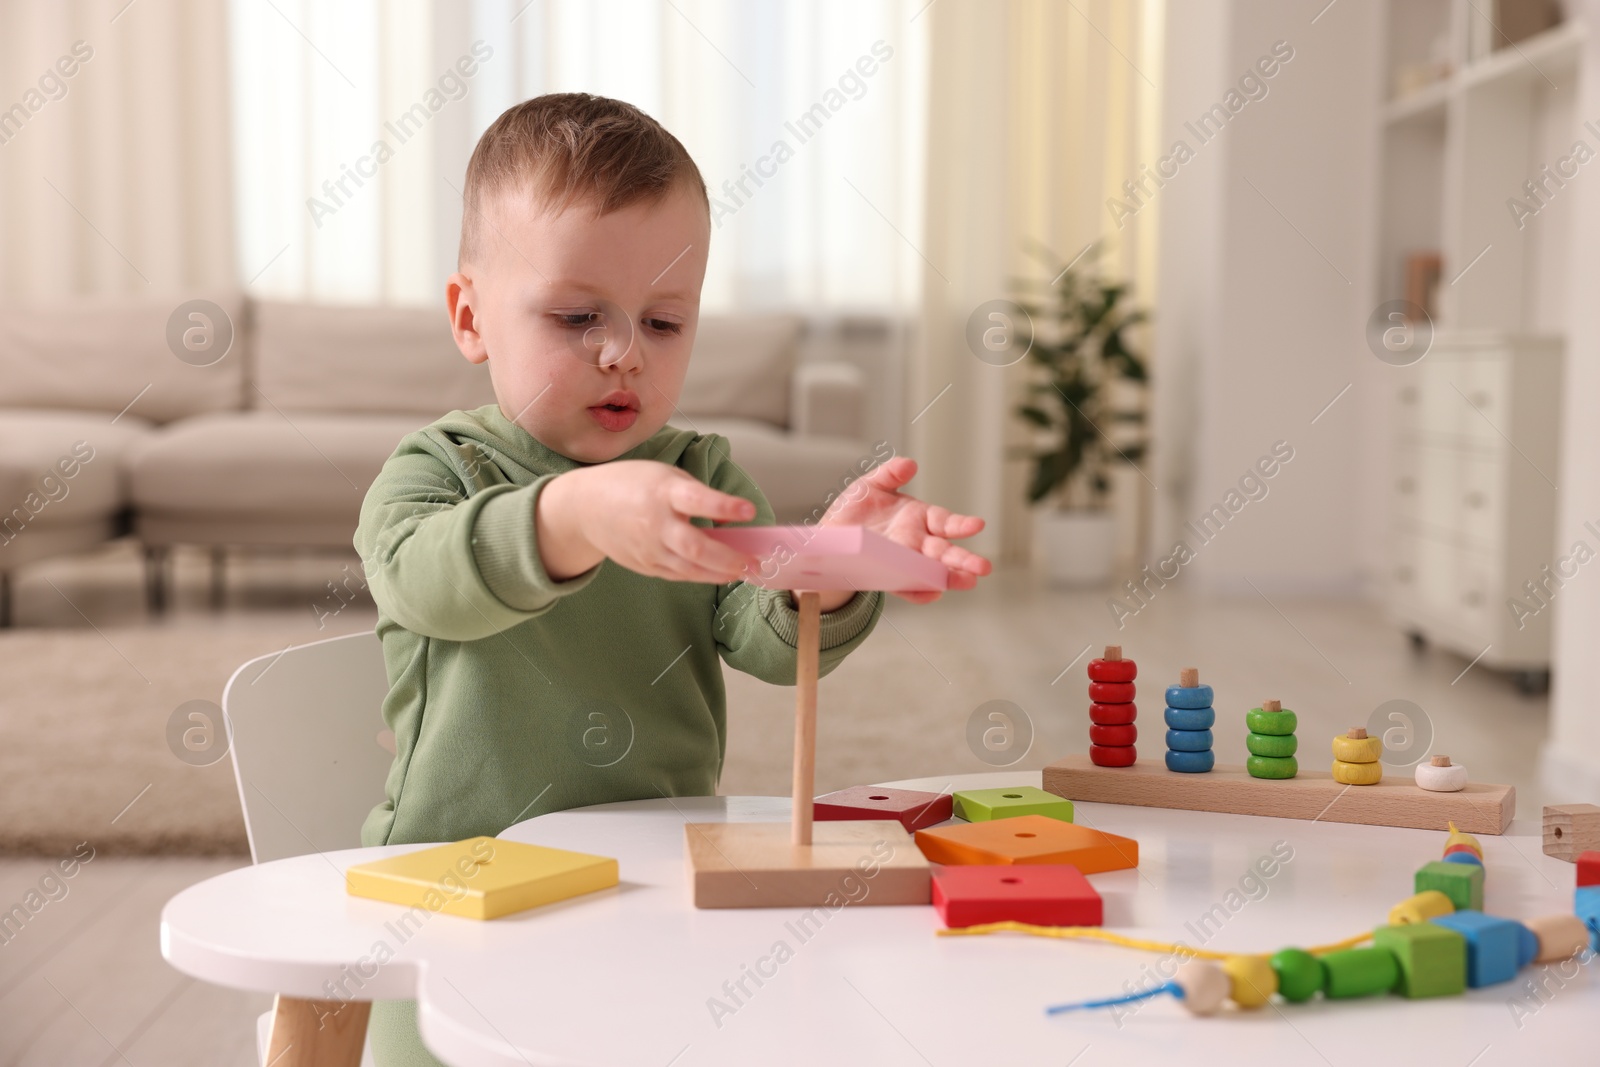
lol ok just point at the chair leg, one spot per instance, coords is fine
(155, 578)
(219, 577)
(317, 1033)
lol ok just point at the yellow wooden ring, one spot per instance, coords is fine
(1419, 909)
(1251, 980)
(1357, 773)
(1357, 749)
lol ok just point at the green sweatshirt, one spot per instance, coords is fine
(511, 694)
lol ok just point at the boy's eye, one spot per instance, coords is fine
(663, 326)
(578, 319)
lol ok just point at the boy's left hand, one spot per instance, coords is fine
(875, 501)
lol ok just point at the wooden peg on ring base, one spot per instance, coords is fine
(1439, 775)
(1112, 653)
(805, 716)
(1189, 677)
(1272, 705)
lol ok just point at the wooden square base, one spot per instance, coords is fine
(1314, 795)
(754, 865)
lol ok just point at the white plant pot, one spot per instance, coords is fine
(1074, 548)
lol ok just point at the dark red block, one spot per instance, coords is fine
(1111, 692)
(912, 808)
(1113, 714)
(1588, 868)
(1125, 734)
(1113, 755)
(1112, 670)
(1044, 894)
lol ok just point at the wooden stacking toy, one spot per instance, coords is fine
(1355, 758)
(1430, 947)
(1271, 741)
(1189, 717)
(1570, 829)
(1439, 775)
(1111, 710)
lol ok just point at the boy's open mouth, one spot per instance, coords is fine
(616, 411)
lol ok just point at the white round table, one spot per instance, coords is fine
(636, 975)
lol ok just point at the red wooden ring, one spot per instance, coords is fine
(1112, 670)
(1464, 847)
(1111, 692)
(1113, 755)
(1112, 714)
(1124, 734)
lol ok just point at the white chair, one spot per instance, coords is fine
(310, 751)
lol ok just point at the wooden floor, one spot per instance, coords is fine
(83, 984)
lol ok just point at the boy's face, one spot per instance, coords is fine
(586, 322)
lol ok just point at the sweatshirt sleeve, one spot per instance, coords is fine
(449, 565)
(758, 630)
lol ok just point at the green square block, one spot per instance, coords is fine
(982, 805)
(1432, 958)
(1461, 882)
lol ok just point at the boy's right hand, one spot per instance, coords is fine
(636, 512)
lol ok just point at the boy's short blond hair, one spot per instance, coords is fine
(562, 148)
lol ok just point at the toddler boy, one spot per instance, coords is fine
(527, 673)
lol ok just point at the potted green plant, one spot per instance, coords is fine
(1085, 410)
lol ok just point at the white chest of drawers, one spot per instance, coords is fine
(1474, 499)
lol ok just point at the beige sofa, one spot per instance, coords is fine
(105, 432)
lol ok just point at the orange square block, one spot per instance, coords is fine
(1029, 839)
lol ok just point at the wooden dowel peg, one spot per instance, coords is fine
(805, 715)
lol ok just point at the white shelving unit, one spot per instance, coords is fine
(1473, 502)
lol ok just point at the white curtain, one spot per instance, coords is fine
(115, 163)
(319, 90)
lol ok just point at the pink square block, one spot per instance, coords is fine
(1044, 894)
(832, 559)
(913, 808)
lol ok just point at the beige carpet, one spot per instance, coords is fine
(91, 684)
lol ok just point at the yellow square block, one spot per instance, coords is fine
(481, 877)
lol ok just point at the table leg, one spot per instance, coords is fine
(317, 1033)
(805, 716)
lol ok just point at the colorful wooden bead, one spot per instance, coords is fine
(1280, 767)
(1198, 696)
(1113, 755)
(1359, 972)
(1191, 762)
(1111, 692)
(1559, 937)
(1527, 945)
(1589, 868)
(1586, 906)
(1432, 958)
(1357, 773)
(1251, 980)
(982, 805)
(1357, 747)
(1300, 974)
(1111, 667)
(911, 808)
(1044, 894)
(1472, 850)
(1428, 904)
(1190, 718)
(1204, 984)
(1273, 723)
(1461, 882)
(1439, 775)
(1570, 829)
(1124, 734)
(1493, 945)
(1463, 857)
(1113, 714)
(1458, 840)
(1273, 746)
(1189, 740)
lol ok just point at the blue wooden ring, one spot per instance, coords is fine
(1199, 696)
(1189, 740)
(1190, 718)
(1190, 762)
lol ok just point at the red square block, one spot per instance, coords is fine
(912, 808)
(1044, 894)
(1588, 868)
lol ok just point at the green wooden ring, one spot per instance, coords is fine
(1276, 723)
(1276, 746)
(1272, 767)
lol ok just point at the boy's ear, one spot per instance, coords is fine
(461, 298)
